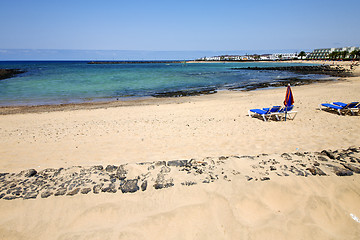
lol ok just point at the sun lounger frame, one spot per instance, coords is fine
(341, 107)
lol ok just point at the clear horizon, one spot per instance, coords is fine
(49, 29)
(121, 55)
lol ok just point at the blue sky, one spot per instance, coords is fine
(195, 26)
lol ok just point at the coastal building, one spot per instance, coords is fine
(284, 56)
(254, 57)
(323, 53)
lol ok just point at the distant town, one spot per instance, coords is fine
(344, 53)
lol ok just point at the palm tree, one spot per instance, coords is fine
(354, 54)
(334, 55)
(302, 54)
(256, 57)
(343, 54)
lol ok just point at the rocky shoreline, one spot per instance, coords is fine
(130, 178)
(9, 73)
(185, 93)
(318, 69)
(293, 81)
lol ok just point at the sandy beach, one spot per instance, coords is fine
(206, 129)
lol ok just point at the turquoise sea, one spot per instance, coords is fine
(59, 82)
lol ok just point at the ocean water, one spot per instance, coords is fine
(51, 82)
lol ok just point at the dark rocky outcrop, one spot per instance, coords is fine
(316, 69)
(9, 73)
(183, 93)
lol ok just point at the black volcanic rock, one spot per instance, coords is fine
(9, 73)
(184, 93)
(317, 69)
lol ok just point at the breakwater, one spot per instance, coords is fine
(132, 62)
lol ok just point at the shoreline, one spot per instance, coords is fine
(175, 128)
(173, 97)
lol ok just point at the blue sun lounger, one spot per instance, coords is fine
(266, 113)
(350, 107)
(341, 107)
(288, 111)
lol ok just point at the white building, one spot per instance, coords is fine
(323, 53)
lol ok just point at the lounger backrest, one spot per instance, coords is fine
(352, 105)
(274, 109)
(287, 109)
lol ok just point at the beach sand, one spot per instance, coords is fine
(211, 126)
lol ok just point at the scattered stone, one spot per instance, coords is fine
(188, 183)
(248, 178)
(177, 163)
(85, 190)
(328, 153)
(31, 195)
(340, 171)
(299, 154)
(60, 192)
(165, 169)
(73, 192)
(121, 172)
(144, 185)
(160, 163)
(161, 182)
(130, 186)
(110, 168)
(30, 173)
(321, 158)
(354, 149)
(98, 167)
(199, 171)
(110, 188)
(97, 189)
(286, 156)
(46, 194)
(206, 181)
(10, 197)
(351, 167)
(70, 181)
(316, 171)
